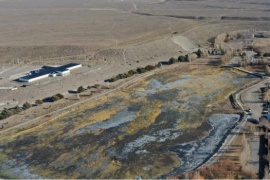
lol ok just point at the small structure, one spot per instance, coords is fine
(48, 71)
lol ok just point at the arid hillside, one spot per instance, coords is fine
(39, 29)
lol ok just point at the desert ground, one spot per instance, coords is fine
(109, 37)
(96, 29)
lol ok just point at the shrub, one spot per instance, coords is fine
(199, 53)
(27, 105)
(55, 98)
(7, 113)
(38, 102)
(172, 60)
(258, 54)
(150, 67)
(182, 59)
(141, 70)
(159, 64)
(127, 75)
(80, 89)
(60, 96)
(132, 72)
(2, 116)
(17, 109)
(114, 79)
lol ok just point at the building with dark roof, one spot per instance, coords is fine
(46, 71)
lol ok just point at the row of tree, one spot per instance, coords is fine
(181, 58)
(7, 112)
(133, 72)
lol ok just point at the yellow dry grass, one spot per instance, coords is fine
(241, 73)
(143, 121)
(262, 42)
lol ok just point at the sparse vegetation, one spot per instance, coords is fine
(147, 68)
(38, 102)
(57, 97)
(80, 89)
(15, 110)
(182, 58)
(221, 170)
(27, 105)
(199, 53)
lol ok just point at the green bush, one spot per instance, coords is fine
(159, 64)
(126, 75)
(27, 105)
(199, 53)
(114, 79)
(2, 116)
(55, 98)
(132, 72)
(182, 59)
(141, 70)
(80, 89)
(61, 96)
(172, 60)
(17, 109)
(150, 67)
(7, 113)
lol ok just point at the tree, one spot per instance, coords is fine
(61, 96)
(172, 60)
(2, 116)
(199, 53)
(132, 72)
(159, 64)
(39, 102)
(17, 109)
(55, 98)
(80, 89)
(27, 105)
(259, 54)
(182, 59)
(141, 70)
(244, 54)
(6, 113)
(150, 67)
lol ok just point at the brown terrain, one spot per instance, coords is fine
(109, 37)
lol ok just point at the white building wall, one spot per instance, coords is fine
(34, 79)
(74, 67)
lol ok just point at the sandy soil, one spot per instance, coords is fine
(108, 37)
(31, 30)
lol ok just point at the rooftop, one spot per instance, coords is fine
(46, 70)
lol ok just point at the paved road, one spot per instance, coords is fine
(251, 99)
